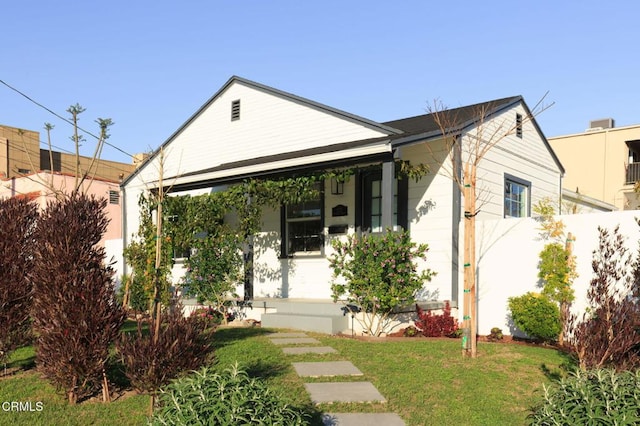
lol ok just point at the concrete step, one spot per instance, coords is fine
(328, 324)
(302, 306)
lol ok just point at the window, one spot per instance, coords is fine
(304, 225)
(114, 197)
(235, 110)
(516, 197)
(519, 125)
(371, 213)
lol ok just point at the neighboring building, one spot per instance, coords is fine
(38, 188)
(602, 163)
(250, 130)
(20, 154)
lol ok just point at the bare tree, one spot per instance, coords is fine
(468, 139)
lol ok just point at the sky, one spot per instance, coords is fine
(149, 65)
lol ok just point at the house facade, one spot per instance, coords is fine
(602, 163)
(249, 130)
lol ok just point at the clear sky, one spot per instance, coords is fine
(149, 65)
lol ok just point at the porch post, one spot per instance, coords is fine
(387, 194)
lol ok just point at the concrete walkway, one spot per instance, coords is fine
(335, 391)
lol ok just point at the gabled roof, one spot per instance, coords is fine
(424, 127)
(276, 92)
(400, 132)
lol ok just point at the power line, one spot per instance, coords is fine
(61, 117)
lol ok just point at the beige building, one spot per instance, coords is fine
(602, 163)
(20, 154)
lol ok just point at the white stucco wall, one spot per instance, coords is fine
(508, 259)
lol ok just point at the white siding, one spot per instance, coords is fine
(268, 125)
(430, 214)
(527, 158)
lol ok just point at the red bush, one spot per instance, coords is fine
(436, 325)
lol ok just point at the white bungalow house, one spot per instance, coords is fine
(247, 129)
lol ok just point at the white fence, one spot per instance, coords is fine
(508, 259)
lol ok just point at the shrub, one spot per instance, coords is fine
(496, 334)
(436, 325)
(17, 224)
(214, 270)
(536, 315)
(380, 275)
(228, 398)
(590, 398)
(75, 313)
(607, 333)
(152, 360)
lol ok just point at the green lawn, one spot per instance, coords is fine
(425, 381)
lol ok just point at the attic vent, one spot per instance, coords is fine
(519, 125)
(235, 110)
(605, 123)
(114, 197)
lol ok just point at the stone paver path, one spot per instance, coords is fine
(309, 350)
(343, 392)
(362, 419)
(294, 334)
(328, 368)
(335, 391)
(293, 340)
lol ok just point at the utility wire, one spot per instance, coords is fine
(61, 117)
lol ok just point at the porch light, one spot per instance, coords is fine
(337, 187)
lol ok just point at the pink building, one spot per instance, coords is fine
(43, 187)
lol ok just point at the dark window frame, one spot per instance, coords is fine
(286, 249)
(520, 182)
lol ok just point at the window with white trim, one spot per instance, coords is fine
(304, 225)
(516, 197)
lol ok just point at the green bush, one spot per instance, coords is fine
(590, 398)
(536, 315)
(378, 274)
(228, 398)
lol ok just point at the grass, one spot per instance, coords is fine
(425, 381)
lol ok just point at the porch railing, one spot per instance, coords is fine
(633, 173)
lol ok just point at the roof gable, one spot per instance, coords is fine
(357, 127)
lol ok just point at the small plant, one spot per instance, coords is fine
(410, 331)
(379, 275)
(591, 398)
(152, 360)
(436, 325)
(536, 315)
(227, 398)
(496, 334)
(209, 315)
(607, 334)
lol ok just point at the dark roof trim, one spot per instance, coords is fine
(501, 105)
(283, 172)
(290, 155)
(434, 132)
(285, 95)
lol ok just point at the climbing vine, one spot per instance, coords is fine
(231, 214)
